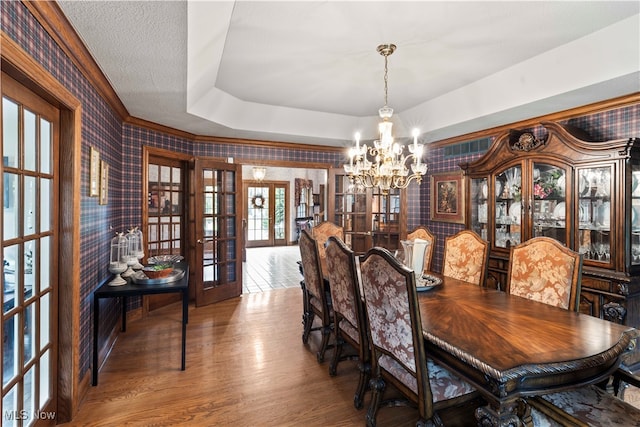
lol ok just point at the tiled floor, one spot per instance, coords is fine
(271, 268)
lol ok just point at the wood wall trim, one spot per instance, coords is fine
(596, 107)
(54, 21)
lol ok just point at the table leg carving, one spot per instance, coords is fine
(515, 414)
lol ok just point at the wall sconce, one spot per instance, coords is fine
(259, 173)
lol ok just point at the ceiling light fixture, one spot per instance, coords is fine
(387, 168)
(259, 173)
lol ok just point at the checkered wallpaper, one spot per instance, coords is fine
(121, 144)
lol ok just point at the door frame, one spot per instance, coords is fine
(22, 67)
(272, 241)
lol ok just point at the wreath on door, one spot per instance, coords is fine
(257, 201)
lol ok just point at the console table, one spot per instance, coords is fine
(134, 290)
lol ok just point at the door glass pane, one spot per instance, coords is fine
(45, 384)
(29, 140)
(44, 323)
(29, 394)
(45, 200)
(258, 213)
(29, 205)
(10, 406)
(280, 205)
(10, 357)
(30, 267)
(10, 276)
(10, 155)
(29, 344)
(45, 146)
(45, 269)
(11, 207)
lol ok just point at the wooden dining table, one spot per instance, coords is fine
(510, 347)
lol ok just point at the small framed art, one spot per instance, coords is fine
(94, 173)
(447, 197)
(104, 182)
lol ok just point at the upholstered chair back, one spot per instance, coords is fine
(544, 270)
(466, 257)
(394, 318)
(423, 233)
(350, 323)
(321, 234)
(398, 351)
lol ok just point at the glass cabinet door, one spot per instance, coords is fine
(595, 239)
(635, 214)
(480, 207)
(549, 202)
(508, 207)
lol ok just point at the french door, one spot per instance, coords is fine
(218, 209)
(30, 129)
(266, 211)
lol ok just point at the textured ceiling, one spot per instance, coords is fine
(308, 71)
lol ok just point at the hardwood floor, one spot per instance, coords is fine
(246, 366)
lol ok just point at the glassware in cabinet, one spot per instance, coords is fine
(508, 207)
(479, 207)
(595, 240)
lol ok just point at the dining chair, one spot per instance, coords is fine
(588, 405)
(421, 232)
(543, 269)
(349, 319)
(321, 234)
(466, 257)
(316, 294)
(398, 354)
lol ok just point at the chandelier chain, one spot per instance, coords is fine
(386, 80)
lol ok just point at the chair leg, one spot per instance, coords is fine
(326, 334)
(363, 382)
(337, 354)
(308, 323)
(377, 386)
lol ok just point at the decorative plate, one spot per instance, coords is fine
(427, 282)
(634, 183)
(560, 212)
(164, 259)
(515, 211)
(485, 190)
(635, 217)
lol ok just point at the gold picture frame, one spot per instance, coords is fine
(104, 182)
(447, 197)
(94, 173)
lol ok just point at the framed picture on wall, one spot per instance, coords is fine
(94, 173)
(447, 197)
(104, 183)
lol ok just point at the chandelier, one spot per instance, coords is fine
(384, 165)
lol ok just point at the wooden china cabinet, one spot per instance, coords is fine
(585, 194)
(369, 217)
